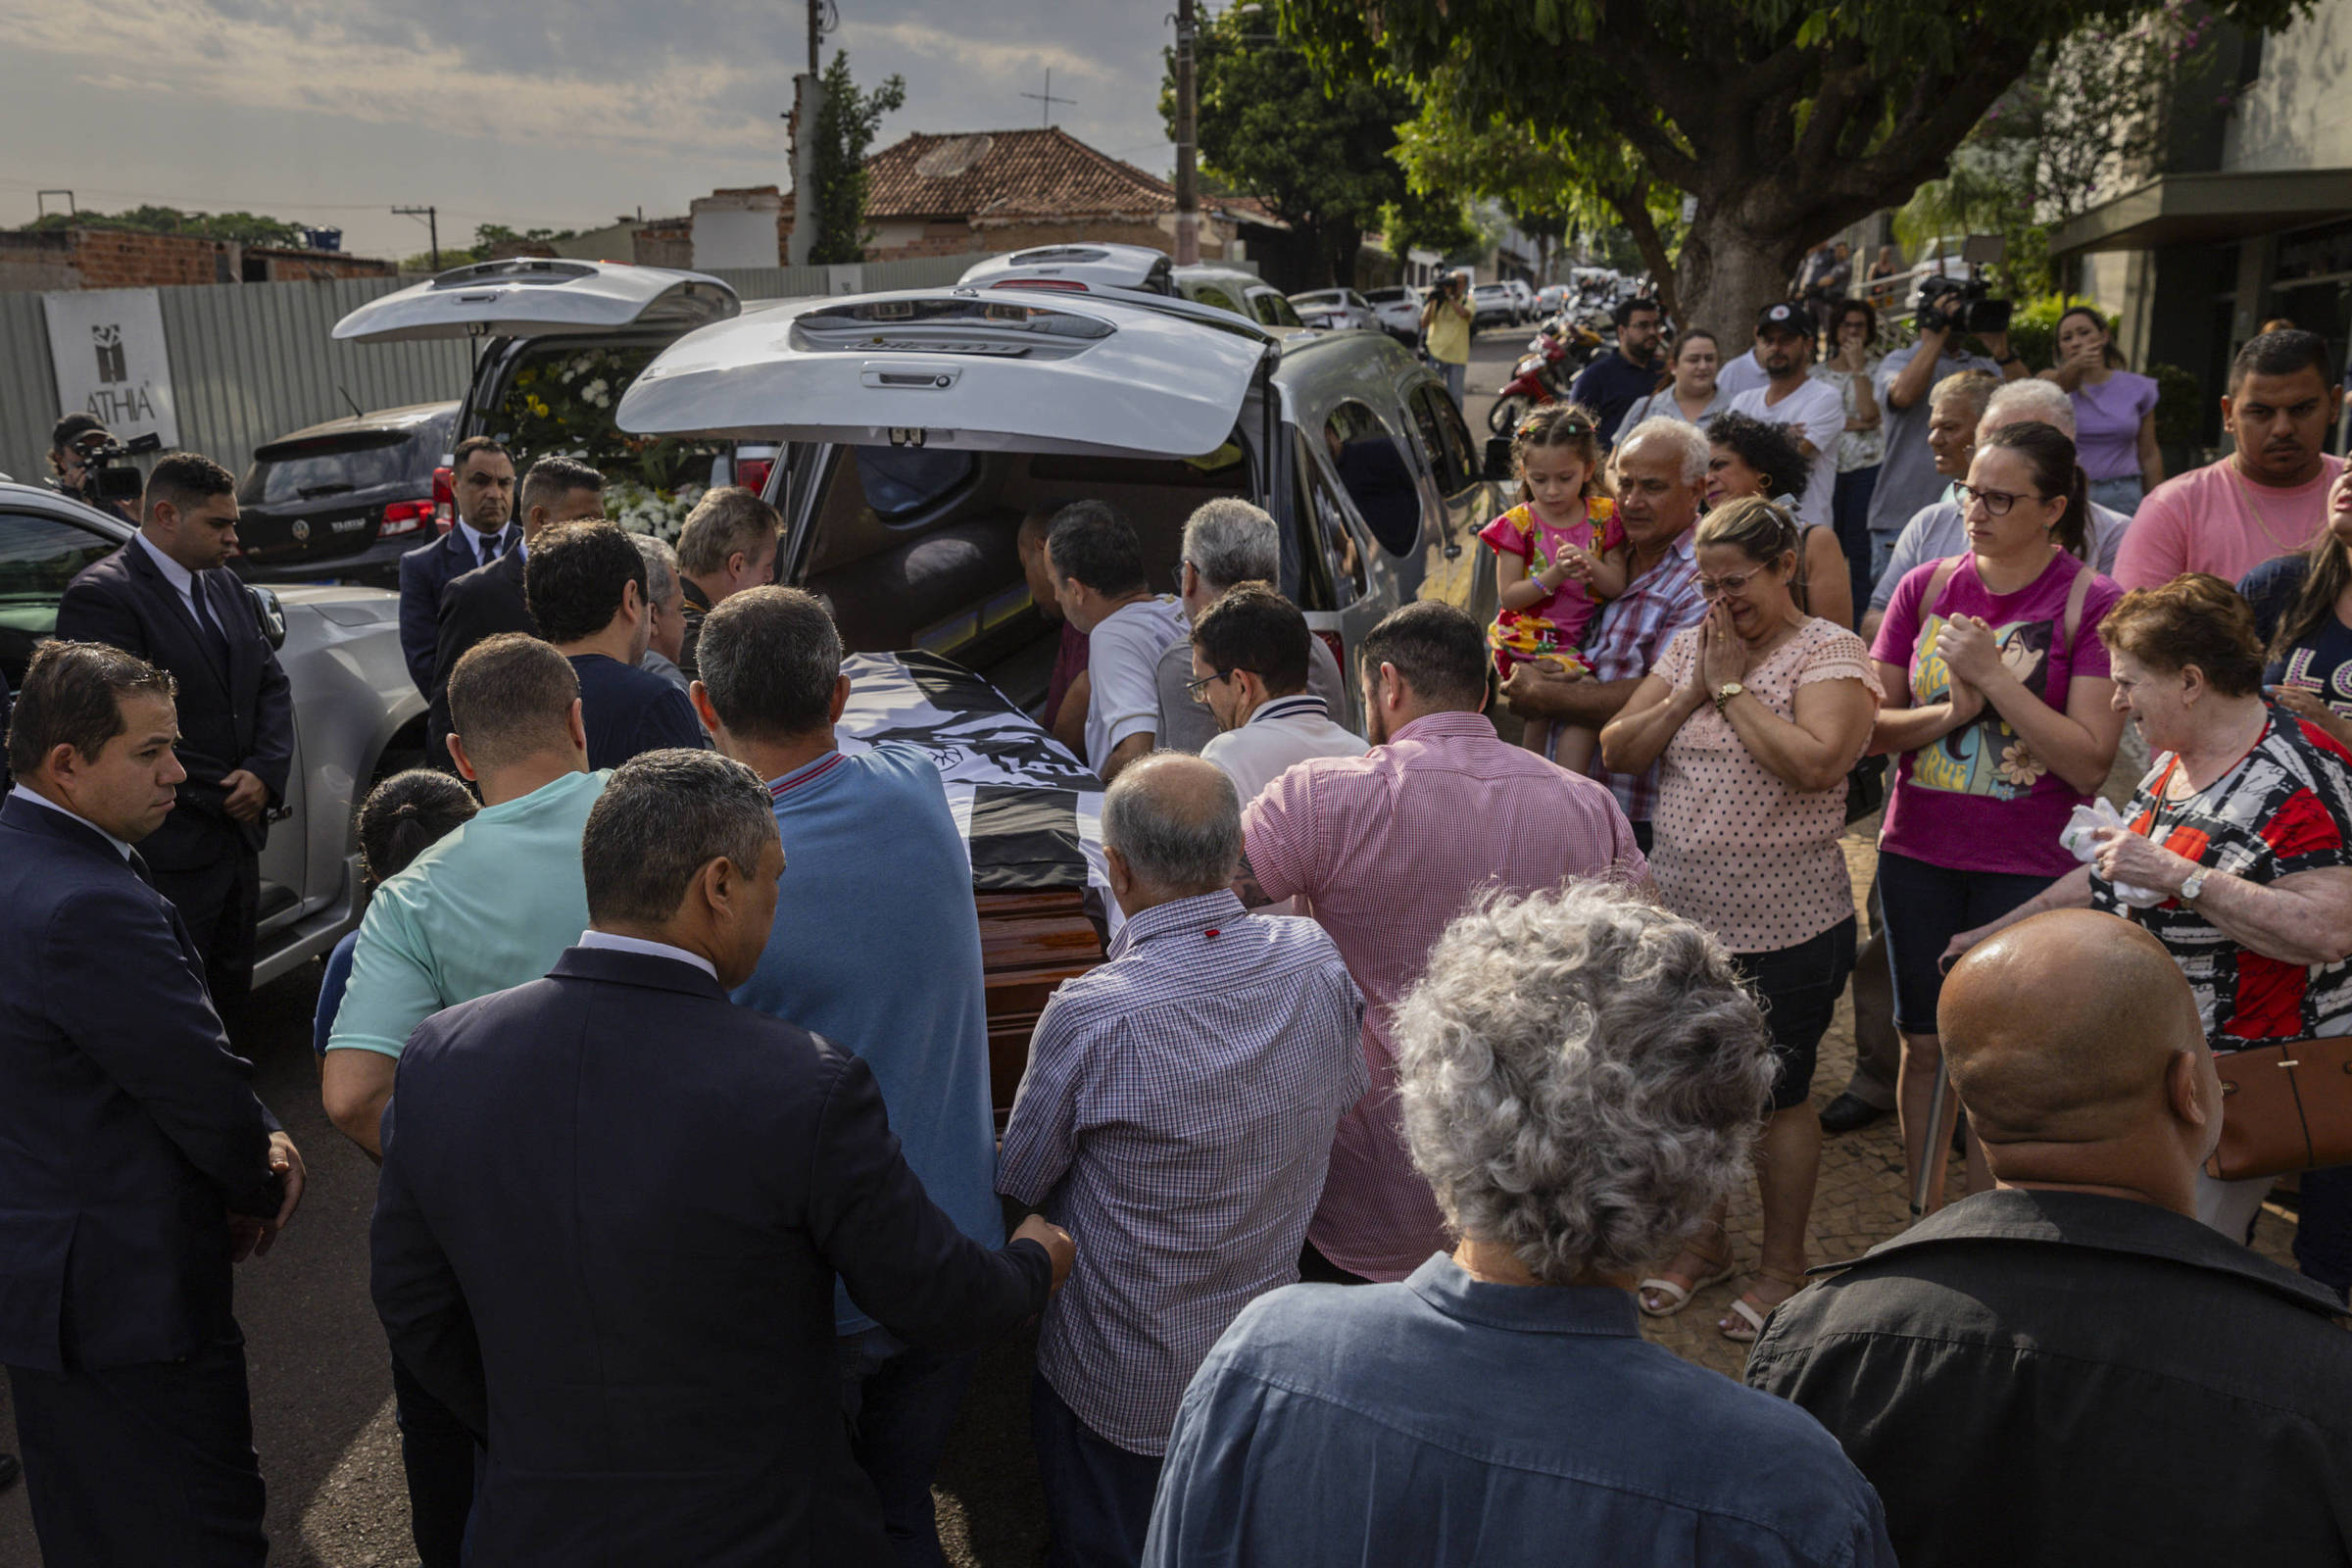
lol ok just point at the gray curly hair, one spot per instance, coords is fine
(1582, 1075)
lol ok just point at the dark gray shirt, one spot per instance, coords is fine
(2063, 1378)
(1907, 477)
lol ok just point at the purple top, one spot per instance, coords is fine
(1978, 800)
(2107, 420)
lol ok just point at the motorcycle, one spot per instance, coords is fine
(1553, 357)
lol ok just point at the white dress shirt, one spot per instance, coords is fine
(45, 803)
(182, 580)
(650, 950)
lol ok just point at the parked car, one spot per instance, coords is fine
(907, 472)
(561, 341)
(345, 499)
(1335, 310)
(1397, 312)
(1492, 305)
(1229, 288)
(1552, 299)
(1522, 296)
(357, 716)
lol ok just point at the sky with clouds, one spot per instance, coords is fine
(529, 113)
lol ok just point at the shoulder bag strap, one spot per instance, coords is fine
(1945, 571)
(2075, 597)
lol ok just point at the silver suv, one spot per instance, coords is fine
(357, 716)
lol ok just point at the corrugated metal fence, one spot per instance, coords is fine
(252, 362)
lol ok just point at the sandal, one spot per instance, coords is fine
(1751, 1312)
(1717, 1261)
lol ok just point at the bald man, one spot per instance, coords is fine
(1178, 1109)
(2070, 1368)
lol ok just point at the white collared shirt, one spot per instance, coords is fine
(650, 950)
(475, 539)
(1283, 731)
(178, 575)
(22, 793)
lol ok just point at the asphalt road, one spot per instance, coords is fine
(320, 1374)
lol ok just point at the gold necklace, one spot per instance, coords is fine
(2245, 487)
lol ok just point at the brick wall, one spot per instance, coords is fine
(113, 258)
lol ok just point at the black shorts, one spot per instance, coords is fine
(1799, 987)
(1926, 906)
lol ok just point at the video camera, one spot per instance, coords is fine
(1947, 304)
(107, 475)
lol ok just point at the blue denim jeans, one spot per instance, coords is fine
(1098, 1494)
(1457, 379)
(900, 1403)
(2117, 495)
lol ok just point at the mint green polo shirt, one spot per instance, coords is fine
(490, 907)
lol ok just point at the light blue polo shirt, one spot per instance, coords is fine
(877, 947)
(490, 907)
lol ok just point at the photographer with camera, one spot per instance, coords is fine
(1950, 311)
(73, 442)
(1445, 332)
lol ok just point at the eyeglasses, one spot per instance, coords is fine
(1180, 566)
(1200, 688)
(1717, 587)
(1996, 502)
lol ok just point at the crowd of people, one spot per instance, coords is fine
(1456, 991)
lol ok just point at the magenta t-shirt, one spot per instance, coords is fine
(1978, 800)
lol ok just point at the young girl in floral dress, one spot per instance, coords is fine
(1559, 554)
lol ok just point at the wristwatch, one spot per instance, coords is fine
(2191, 885)
(1725, 692)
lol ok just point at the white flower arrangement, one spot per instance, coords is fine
(662, 514)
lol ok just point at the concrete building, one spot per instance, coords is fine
(2246, 217)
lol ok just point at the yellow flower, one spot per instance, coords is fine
(539, 406)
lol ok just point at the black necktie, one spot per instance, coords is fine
(139, 867)
(215, 639)
(494, 545)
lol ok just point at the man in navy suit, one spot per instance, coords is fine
(137, 1164)
(586, 584)
(483, 477)
(489, 600)
(168, 598)
(613, 1206)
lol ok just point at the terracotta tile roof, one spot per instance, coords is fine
(998, 175)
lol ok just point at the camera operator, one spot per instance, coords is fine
(1907, 477)
(1445, 331)
(70, 441)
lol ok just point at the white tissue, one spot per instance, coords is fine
(2080, 836)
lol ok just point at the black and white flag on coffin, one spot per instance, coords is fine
(1031, 814)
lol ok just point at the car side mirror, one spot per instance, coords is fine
(1498, 459)
(271, 614)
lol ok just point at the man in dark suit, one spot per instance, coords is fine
(168, 598)
(615, 1258)
(137, 1164)
(585, 583)
(483, 477)
(488, 600)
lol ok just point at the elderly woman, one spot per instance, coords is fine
(1754, 718)
(1752, 457)
(1690, 394)
(2244, 826)
(1581, 1074)
(1997, 705)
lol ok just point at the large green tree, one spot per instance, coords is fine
(246, 228)
(1317, 152)
(846, 122)
(1784, 120)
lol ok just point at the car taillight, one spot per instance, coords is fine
(444, 498)
(752, 473)
(1338, 648)
(1068, 285)
(407, 517)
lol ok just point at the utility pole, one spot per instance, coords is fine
(807, 94)
(1188, 183)
(432, 226)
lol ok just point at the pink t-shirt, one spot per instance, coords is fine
(1734, 846)
(2216, 519)
(1520, 531)
(1978, 800)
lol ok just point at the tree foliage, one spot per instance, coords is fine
(1316, 152)
(1784, 120)
(245, 228)
(845, 124)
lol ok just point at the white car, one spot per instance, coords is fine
(1335, 310)
(1492, 304)
(1525, 296)
(356, 715)
(1397, 312)
(1552, 299)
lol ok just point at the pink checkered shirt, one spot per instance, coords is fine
(1388, 848)
(1632, 633)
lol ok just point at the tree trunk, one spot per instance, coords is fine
(1728, 273)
